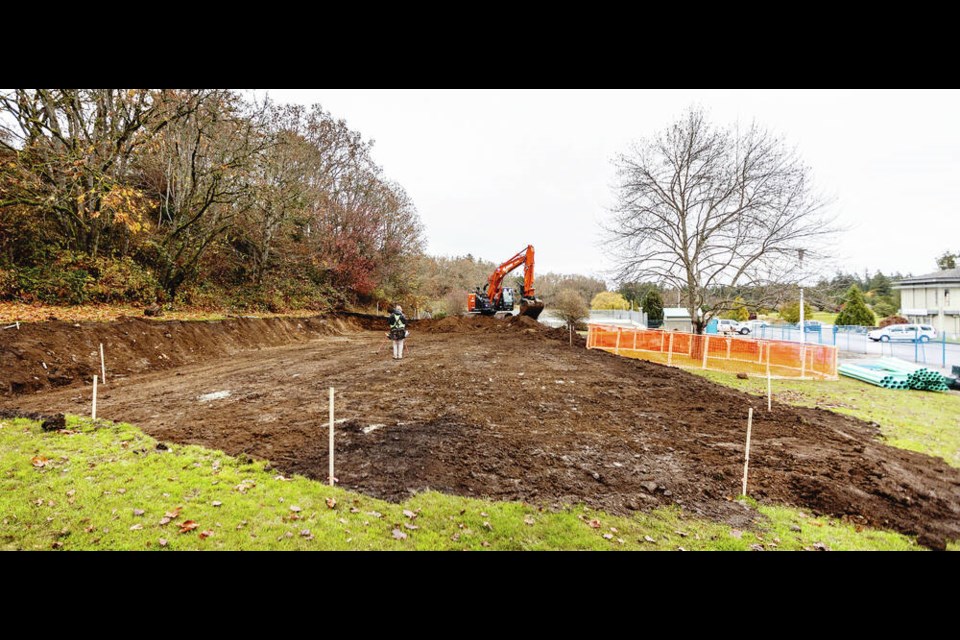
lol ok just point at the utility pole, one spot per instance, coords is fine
(803, 329)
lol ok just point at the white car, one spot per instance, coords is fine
(731, 326)
(907, 332)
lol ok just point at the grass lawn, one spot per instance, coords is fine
(107, 486)
(826, 317)
(921, 421)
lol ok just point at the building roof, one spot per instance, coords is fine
(676, 312)
(950, 276)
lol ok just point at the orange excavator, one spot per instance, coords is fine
(494, 297)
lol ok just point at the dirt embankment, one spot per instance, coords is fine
(56, 354)
(484, 407)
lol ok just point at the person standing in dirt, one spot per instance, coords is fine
(398, 331)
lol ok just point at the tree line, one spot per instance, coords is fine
(194, 196)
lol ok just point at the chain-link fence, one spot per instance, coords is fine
(943, 350)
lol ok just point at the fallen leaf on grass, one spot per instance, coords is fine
(484, 514)
(121, 491)
(164, 520)
(38, 502)
(594, 524)
(756, 547)
(136, 527)
(163, 542)
(331, 503)
(342, 521)
(71, 493)
(305, 533)
(680, 549)
(409, 514)
(484, 544)
(455, 537)
(188, 525)
(613, 530)
(138, 512)
(205, 534)
(608, 536)
(528, 520)
(681, 534)
(736, 533)
(57, 544)
(354, 510)
(90, 529)
(399, 535)
(412, 527)
(242, 524)
(648, 539)
(39, 461)
(216, 503)
(375, 514)
(173, 514)
(486, 525)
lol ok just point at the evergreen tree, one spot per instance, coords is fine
(653, 306)
(855, 310)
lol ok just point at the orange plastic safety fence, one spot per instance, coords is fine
(718, 352)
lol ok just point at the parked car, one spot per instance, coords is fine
(908, 332)
(731, 326)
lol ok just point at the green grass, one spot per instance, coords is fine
(106, 486)
(826, 317)
(922, 421)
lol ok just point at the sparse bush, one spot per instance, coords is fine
(455, 303)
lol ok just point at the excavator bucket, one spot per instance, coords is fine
(531, 307)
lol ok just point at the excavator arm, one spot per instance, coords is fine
(525, 258)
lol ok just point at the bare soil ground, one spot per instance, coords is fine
(479, 407)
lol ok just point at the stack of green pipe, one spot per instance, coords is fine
(919, 377)
(875, 375)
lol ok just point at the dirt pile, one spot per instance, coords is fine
(505, 413)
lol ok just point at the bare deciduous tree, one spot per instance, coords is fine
(708, 210)
(570, 307)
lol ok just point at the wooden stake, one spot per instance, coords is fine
(729, 343)
(803, 361)
(570, 326)
(619, 334)
(93, 411)
(635, 332)
(706, 349)
(769, 393)
(670, 354)
(746, 453)
(662, 336)
(103, 366)
(331, 437)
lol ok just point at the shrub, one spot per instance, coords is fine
(609, 300)
(791, 312)
(886, 322)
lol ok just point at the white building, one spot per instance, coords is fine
(933, 298)
(677, 318)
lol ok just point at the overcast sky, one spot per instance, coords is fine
(491, 171)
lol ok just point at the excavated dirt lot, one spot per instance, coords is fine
(480, 407)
